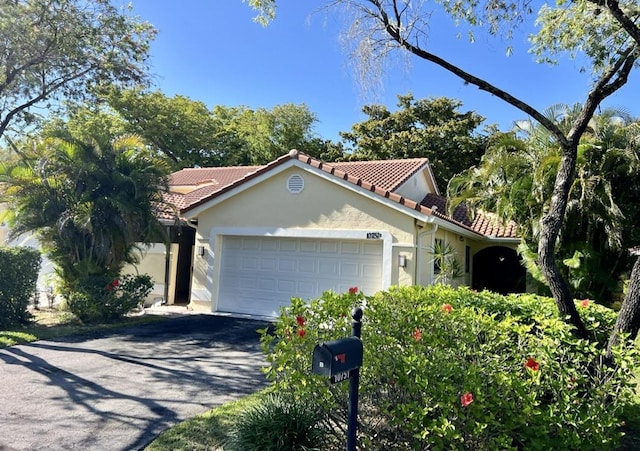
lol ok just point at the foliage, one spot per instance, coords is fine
(98, 298)
(515, 179)
(448, 268)
(209, 431)
(278, 423)
(65, 49)
(188, 133)
(19, 267)
(89, 203)
(431, 128)
(450, 368)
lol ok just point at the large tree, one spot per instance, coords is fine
(516, 177)
(432, 128)
(605, 33)
(188, 133)
(52, 50)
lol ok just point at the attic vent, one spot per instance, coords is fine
(295, 184)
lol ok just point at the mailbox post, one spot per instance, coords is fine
(341, 360)
(354, 382)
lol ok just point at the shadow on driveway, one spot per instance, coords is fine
(119, 390)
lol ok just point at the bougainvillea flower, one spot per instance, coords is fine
(532, 364)
(466, 399)
(353, 290)
(417, 335)
(302, 333)
(585, 303)
(300, 320)
(447, 308)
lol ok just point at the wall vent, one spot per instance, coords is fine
(295, 184)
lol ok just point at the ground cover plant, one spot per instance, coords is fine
(451, 368)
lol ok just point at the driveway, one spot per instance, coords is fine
(119, 390)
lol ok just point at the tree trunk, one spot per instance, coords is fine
(628, 320)
(549, 230)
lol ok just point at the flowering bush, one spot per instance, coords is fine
(449, 368)
(105, 298)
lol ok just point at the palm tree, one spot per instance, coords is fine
(89, 203)
(515, 179)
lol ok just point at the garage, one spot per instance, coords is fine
(260, 274)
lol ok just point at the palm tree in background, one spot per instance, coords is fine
(515, 180)
(90, 202)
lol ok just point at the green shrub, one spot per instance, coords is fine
(19, 267)
(278, 424)
(106, 298)
(450, 368)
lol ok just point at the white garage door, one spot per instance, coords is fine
(261, 274)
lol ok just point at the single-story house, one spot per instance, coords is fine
(250, 238)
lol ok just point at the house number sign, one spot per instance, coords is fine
(374, 235)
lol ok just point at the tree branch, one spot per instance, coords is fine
(394, 31)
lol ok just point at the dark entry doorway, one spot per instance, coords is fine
(498, 269)
(185, 237)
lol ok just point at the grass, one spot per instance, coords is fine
(52, 323)
(208, 431)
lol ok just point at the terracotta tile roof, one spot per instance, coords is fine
(385, 174)
(380, 177)
(216, 176)
(484, 223)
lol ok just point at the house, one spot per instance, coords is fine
(250, 238)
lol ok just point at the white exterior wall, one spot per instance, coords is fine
(323, 208)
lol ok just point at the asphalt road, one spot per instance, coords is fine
(119, 390)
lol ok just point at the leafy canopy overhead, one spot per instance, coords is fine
(52, 50)
(431, 128)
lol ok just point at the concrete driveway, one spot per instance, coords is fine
(119, 390)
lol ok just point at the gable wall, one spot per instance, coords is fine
(322, 207)
(416, 187)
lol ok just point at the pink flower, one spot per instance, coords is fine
(300, 320)
(353, 290)
(447, 308)
(417, 334)
(532, 364)
(466, 399)
(585, 303)
(301, 333)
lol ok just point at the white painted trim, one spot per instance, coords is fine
(217, 233)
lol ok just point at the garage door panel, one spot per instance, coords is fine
(328, 268)
(258, 275)
(307, 265)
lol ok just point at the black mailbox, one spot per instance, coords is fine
(335, 358)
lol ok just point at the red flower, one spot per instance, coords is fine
(114, 283)
(466, 399)
(301, 333)
(585, 303)
(417, 334)
(353, 290)
(532, 364)
(446, 308)
(300, 320)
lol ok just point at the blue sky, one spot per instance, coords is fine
(214, 52)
